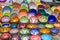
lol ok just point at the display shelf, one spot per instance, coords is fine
(54, 3)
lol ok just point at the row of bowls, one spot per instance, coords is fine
(31, 19)
(32, 31)
(7, 36)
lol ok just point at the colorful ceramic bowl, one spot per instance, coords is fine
(5, 36)
(44, 31)
(49, 25)
(43, 19)
(31, 26)
(5, 19)
(15, 37)
(5, 24)
(14, 19)
(34, 31)
(5, 29)
(52, 19)
(54, 30)
(24, 31)
(14, 26)
(24, 19)
(57, 25)
(35, 37)
(46, 37)
(14, 31)
(33, 19)
(25, 37)
(22, 25)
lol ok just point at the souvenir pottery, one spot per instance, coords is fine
(27, 1)
(41, 11)
(5, 19)
(54, 30)
(18, 1)
(46, 37)
(1, 15)
(22, 25)
(38, 15)
(44, 30)
(14, 31)
(29, 20)
(16, 5)
(46, 5)
(24, 31)
(23, 12)
(49, 25)
(35, 37)
(30, 15)
(31, 26)
(5, 25)
(40, 26)
(56, 11)
(5, 29)
(6, 11)
(41, 7)
(24, 4)
(47, 15)
(16, 8)
(34, 31)
(37, 2)
(43, 19)
(33, 19)
(3, 4)
(24, 37)
(1, 11)
(14, 19)
(52, 19)
(24, 19)
(58, 18)
(5, 36)
(32, 5)
(53, 7)
(24, 7)
(33, 11)
(8, 2)
(13, 25)
(57, 25)
(15, 37)
(49, 11)
(56, 37)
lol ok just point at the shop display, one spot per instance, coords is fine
(29, 20)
